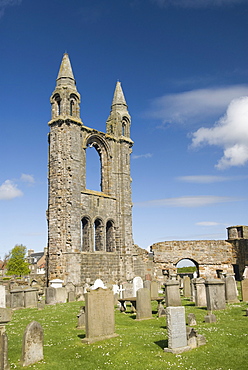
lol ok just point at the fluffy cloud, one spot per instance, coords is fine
(9, 190)
(187, 201)
(197, 3)
(195, 105)
(27, 178)
(208, 223)
(203, 179)
(230, 133)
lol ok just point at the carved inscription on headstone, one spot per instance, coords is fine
(176, 326)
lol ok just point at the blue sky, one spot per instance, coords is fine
(183, 66)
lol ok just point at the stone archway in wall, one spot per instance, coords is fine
(187, 264)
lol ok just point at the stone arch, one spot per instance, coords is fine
(103, 149)
(191, 260)
(74, 105)
(98, 235)
(56, 105)
(86, 234)
(125, 126)
(110, 236)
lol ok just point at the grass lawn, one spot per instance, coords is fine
(139, 344)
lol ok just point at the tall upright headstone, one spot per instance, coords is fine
(186, 287)
(244, 290)
(231, 289)
(154, 289)
(137, 284)
(143, 304)
(99, 315)
(5, 317)
(199, 292)
(172, 293)
(215, 294)
(32, 344)
(176, 327)
(2, 296)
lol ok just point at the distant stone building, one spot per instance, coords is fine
(89, 232)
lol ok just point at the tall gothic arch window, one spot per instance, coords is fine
(57, 99)
(125, 126)
(98, 227)
(110, 241)
(85, 234)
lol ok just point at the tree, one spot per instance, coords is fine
(17, 264)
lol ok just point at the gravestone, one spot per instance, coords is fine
(5, 317)
(99, 315)
(81, 318)
(191, 319)
(17, 298)
(30, 297)
(32, 344)
(71, 296)
(194, 339)
(2, 296)
(154, 289)
(215, 294)
(176, 327)
(137, 284)
(56, 283)
(244, 290)
(127, 290)
(186, 287)
(98, 283)
(143, 304)
(50, 294)
(70, 287)
(61, 295)
(209, 318)
(147, 284)
(172, 293)
(199, 292)
(231, 289)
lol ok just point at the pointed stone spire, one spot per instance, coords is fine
(65, 75)
(119, 98)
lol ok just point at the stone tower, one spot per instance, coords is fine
(89, 232)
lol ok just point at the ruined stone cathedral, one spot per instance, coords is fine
(89, 232)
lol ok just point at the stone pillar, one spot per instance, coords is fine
(215, 294)
(172, 293)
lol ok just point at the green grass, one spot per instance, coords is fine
(139, 344)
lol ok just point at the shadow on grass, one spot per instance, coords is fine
(81, 336)
(162, 343)
(163, 327)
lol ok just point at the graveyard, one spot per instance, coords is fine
(138, 344)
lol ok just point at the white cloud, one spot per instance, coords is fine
(208, 223)
(230, 133)
(195, 105)
(147, 155)
(5, 3)
(27, 178)
(9, 190)
(187, 201)
(203, 179)
(197, 3)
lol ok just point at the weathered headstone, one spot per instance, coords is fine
(81, 318)
(50, 294)
(147, 284)
(56, 283)
(5, 317)
(244, 290)
(61, 295)
(2, 296)
(17, 298)
(137, 284)
(231, 289)
(32, 344)
(199, 292)
(154, 289)
(209, 318)
(71, 296)
(98, 283)
(194, 339)
(143, 304)
(191, 319)
(186, 287)
(99, 315)
(127, 290)
(30, 297)
(176, 327)
(215, 294)
(172, 293)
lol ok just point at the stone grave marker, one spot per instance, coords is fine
(2, 296)
(71, 296)
(191, 319)
(99, 315)
(147, 284)
(244, 290)
(17, 298)
(137, 284)
(127, 290)
(154, 289)
(30, 297)
(172, 293)
(231, 289)
(176, 327)
(143, 304)
(215, 294)
(81, 318)
(61, 295)
(5, 317)
(199, 292)
(98, 283)
(32, 344)
(186, 287)
(50, 294)
(194, 339)
(209, 318)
